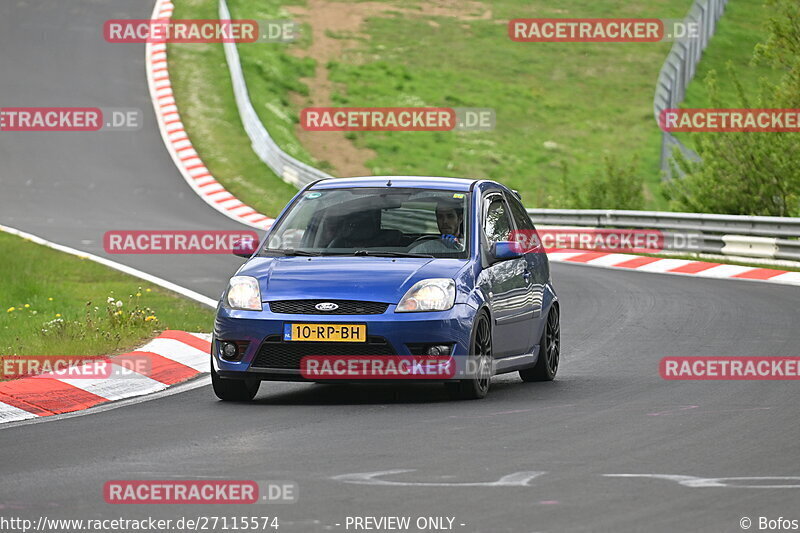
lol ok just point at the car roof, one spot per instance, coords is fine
(414, 182)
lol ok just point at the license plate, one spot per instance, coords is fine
(325, 332)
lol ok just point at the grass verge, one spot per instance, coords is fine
(556, 103)
(58, 304)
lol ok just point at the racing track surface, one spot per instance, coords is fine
(608, 412)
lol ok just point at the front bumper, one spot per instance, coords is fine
(452, 327)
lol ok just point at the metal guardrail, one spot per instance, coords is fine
(679, 69)
(288, 168)
(731, 235)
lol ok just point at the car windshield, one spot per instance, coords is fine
(388, 221)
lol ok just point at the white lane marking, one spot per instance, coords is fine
(196, 296)
(517, 479)
(9, 413)
(706, 482)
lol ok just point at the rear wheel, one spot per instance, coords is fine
(549, 350)
(481, 356)
(233, 390)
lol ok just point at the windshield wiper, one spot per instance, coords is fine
(292, 252)
(389, 254)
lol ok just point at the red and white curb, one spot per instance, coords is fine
(701, 269)
(177, 141)
(173, 357)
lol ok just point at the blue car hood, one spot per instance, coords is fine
(376, 279)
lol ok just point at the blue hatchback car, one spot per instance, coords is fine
(391, 266)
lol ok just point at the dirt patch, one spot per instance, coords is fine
(346, 18)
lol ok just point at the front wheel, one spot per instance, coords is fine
(549, 350)
(233, 390)
(480, 355)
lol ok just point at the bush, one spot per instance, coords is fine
(619, 186)
(750, 173)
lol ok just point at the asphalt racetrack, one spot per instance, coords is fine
(530, 457)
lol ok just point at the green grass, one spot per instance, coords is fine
(52, 303)
(581, 100)
(589, 99)
(204, 95)
(742, 27)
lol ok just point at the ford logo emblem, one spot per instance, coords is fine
(326, 306)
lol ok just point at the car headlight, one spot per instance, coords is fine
(437, 294)
(243, 293)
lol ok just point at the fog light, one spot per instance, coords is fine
(229, 350)
(438, 349)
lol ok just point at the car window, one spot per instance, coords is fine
(375, 219)
(496, 224)
(521, 217)
(419, 217)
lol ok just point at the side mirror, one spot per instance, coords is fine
(506, 250)
(244, 247)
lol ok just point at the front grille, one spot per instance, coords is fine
(346, 307)
(275, 353)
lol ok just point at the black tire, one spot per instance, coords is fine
(549, 350)
(481, 350)
(233, 390)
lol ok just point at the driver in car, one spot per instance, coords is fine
(450, 219)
